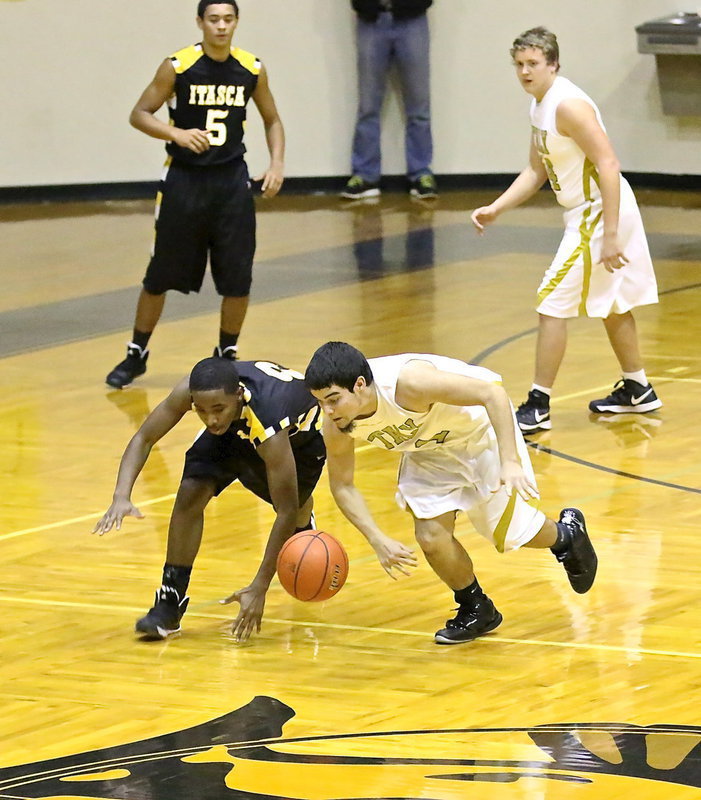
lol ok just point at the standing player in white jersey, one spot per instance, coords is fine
(602, 267)
(454, 427)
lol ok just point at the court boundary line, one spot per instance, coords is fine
(492, 638)
(488, 351)
(541, 448)
(84, 518)
(477, 360)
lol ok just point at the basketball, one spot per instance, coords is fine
(312, 566)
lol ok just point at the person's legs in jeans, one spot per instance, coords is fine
(374, 49)
(411, 45)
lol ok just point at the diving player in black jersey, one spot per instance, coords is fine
(204, 205)
(263, 429)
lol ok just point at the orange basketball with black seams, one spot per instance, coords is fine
(312, 566)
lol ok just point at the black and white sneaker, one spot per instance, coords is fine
(163, 620)
(578, 558)
(628, 396)
(132, 366)
(230, 352)
(424, 187)
(358, 187)
(534, 415)
(470, 622)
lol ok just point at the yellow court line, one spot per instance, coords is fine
(84, 518)
(98, 514)
(670, 357)
(360, 449)
(493, 638)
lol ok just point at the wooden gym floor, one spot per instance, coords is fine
(593, 696)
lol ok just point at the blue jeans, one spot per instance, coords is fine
(380, 44)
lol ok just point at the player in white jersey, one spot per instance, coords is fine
(602, 267)
(453, 425)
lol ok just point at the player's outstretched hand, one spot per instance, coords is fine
(272, 180)
(252, 601)
(481, 217)
(515, 479)
(115, 514)
(394, 555)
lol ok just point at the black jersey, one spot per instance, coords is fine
(275, 399)
(212, 95)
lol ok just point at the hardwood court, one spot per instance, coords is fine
(592, 696)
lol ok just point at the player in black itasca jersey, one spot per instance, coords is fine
(262, 429)
(204, 206)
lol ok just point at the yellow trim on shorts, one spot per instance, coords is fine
(502, 527)
(583, 249)
(589, 176)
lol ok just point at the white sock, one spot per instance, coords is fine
(639, 377)
(542, 389)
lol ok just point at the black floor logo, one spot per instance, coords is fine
(244, 756)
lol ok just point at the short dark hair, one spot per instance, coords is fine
(337, 364)
(202, 6)
(539, 38)
(214, 373)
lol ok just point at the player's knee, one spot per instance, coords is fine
(431, 538)
(193, 495)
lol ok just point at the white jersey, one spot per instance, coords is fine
(572, 176)
(449, 455)
(392, 427)
(576, 282)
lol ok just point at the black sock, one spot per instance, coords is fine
(227, 340)
(141, 338)
(177, 577)
(563, 538)
(306, 527)
(469, 595)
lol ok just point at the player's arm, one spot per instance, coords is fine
(281, 472)
(143, 115)
(523, 188)
(577, 119)
(274, 135)
(420, 385)
(163, 418)
(340, 460)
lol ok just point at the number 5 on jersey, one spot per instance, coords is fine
(216, 129)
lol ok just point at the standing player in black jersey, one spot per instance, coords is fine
(263, 429)
(204, 205)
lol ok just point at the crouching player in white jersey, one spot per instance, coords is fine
(602, 267)
(453, 425)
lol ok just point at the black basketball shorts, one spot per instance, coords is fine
(200, 212)
(225, 459)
